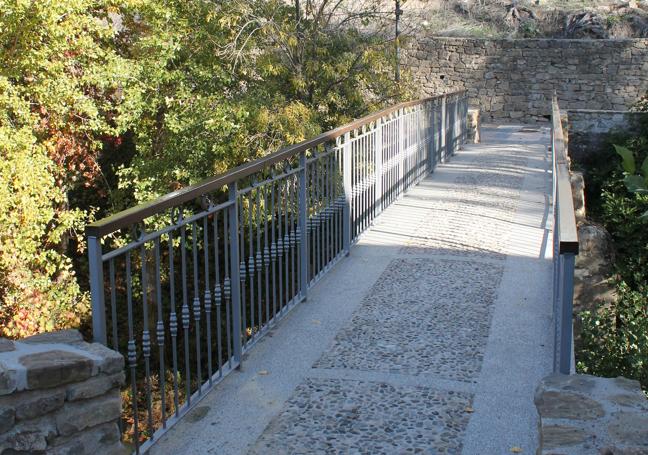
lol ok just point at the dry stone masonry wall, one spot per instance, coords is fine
(59, 395)
(513, 80)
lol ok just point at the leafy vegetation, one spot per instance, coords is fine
(615, 338)
(107, 103)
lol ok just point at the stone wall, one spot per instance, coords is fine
(513, 80)
(59, 395)
(589, 131)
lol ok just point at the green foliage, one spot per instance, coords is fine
(57, 81)
(107, 103)
(615, 338)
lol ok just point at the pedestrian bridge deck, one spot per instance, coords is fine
(429, 338)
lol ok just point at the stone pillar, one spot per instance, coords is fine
(474, 126)
(59, 395)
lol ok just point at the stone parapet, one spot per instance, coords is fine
(59, 395)
(581, 414)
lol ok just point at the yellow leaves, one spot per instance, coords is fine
(516, 449)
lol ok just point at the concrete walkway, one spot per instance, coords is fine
(430, 338)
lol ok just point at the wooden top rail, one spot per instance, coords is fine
(566, 227)
(140, 212)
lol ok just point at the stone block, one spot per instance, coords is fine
(62, 336)
(54, 368)
(102, 439)
(28, 437)
(6, 345)
(32, 404)
(7, 418)
(79, 415)
(111, 361)
(8, 383)
(94, 387)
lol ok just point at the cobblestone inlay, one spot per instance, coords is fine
(423, 316)
(326, 416)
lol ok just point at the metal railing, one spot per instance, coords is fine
(185, 284)
(565, 243)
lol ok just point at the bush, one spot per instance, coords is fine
(615, 338)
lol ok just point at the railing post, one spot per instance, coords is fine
(379, 168)
(97, 290)
(567, 299)
(346, 214)
(303, 231)
(444, 145)
(401, 150)
(234, 271)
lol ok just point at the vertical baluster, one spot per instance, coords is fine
(329, 208)
(185, 309)
(196, 302)
(266, 252)
(132, 351)
(251, 267)
(321, 202)
(286, 239)
(280, 244)
(259, 258)
(242, 269)
(159, 330)
(173, 325)
(293, 236)
(227, 281)
(273, 248)
(146, 340)
(208, 299)
(346, 217)
(218, 295)
(378, 170)
(234, 266)
(302, 229)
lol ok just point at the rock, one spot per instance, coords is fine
(62, 336)
(578, 194)
(6, 345)
(102, 439)
(581, 414)
(111, 361)
(79, 415)
(32, 404)
(28, 437)
(94, 387)
(631, 428)
(54, 368)
(8, 382)
(555, 436)
(568, 405)
(7, 418)
(593, 287)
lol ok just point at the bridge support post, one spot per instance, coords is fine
(567, 265)
(97, 290)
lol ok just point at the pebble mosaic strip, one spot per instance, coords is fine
(448, 306)
(333, 416)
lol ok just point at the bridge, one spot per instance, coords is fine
(385, 287)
